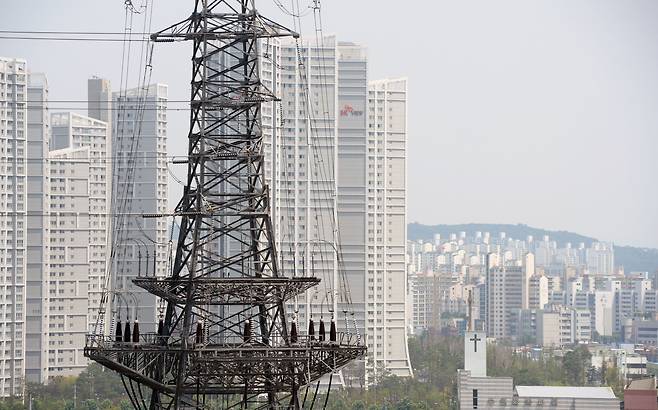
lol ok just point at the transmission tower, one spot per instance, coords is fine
(223, 340)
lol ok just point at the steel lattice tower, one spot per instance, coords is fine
(223, 341)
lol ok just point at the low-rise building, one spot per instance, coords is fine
(565, 397)
(640, 394)
(556, 326)
(476, 390)
(631, 365)
(643, 332)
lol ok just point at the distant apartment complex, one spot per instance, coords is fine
(530, 291)
(563, 299)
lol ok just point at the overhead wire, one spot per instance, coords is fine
(117, 33)
(312, 140)
(341, 260)
(123, 201)
(324, 173)
(100, 320)
(142, 87)
(310, 126)
(48, 38)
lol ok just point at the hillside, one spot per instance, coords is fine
(631, 258)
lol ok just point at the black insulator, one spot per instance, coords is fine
(322, 334)
(160, 327)
(126, 333)
(147, 263)
(247, 331)
(199, 332)
(311, 329)
(139, 263)
(293, 332)
(118, 333)
(136, 332)
(332, 331)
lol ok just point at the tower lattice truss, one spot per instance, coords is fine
(223, 340)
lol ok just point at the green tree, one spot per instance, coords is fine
(576, 363)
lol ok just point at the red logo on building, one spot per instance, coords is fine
(349, 111)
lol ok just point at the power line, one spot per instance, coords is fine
(91, 39)
(104, 109)
(72, 213)
(91, 101)
(116, 33)
(172, 159)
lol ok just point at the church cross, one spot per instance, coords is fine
(475, 339)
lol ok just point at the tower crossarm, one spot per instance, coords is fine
(229, 291)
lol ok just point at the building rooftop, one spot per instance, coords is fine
(642, 384)
(570, 392)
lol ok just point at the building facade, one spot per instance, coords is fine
(13, 233)
(504, 300)
(71, 130)
(71, 180)
(38, 273)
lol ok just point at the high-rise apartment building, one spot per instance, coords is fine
(504, 300)
(139, 187)
(71, 222)
(386, 221)
(13, 234)
(71, 130)
(351, 187)
(38, 221)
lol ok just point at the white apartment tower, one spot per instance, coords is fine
(139, 187)
(71, 229)
(38, 274)
(13, 234)
(386, 221)
(71, 130)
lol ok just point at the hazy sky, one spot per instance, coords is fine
(536, 112)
